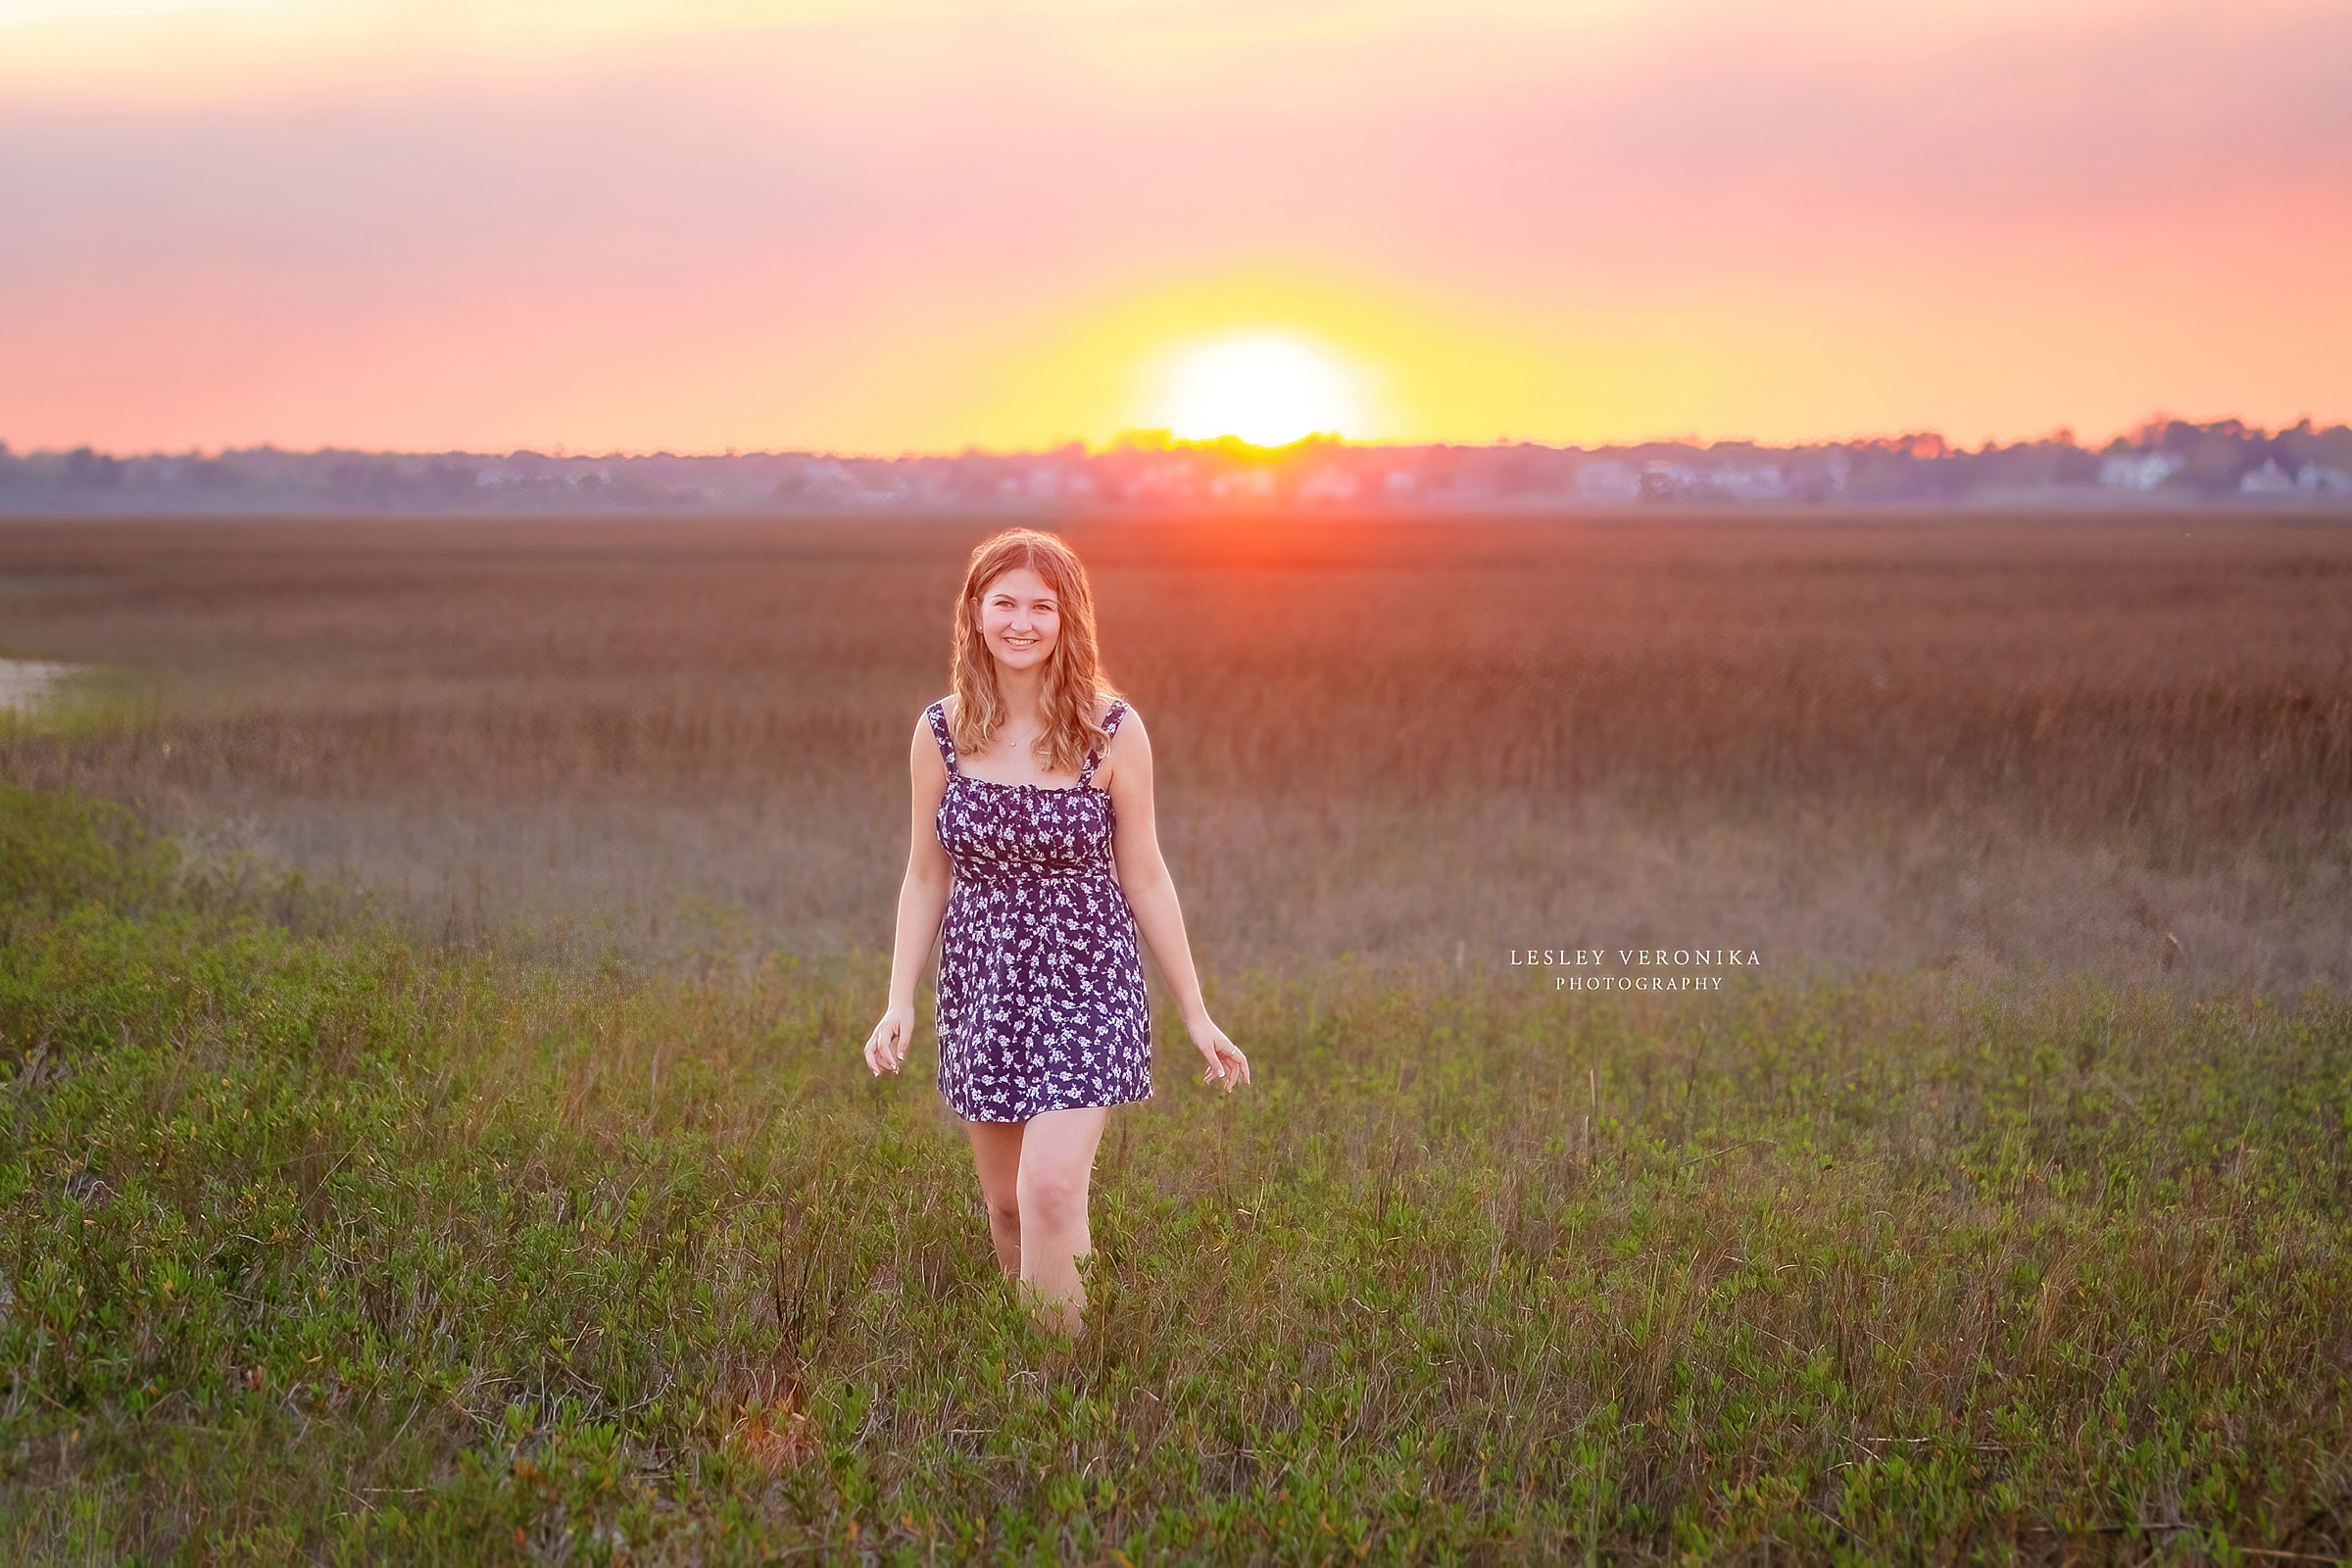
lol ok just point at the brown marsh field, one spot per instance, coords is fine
(2091, 741)
(433, 955)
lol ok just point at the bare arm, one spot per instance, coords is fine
(922, 902)
(1152, 894)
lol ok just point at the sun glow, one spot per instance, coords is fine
(1268, 388)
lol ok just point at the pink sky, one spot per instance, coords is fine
(612, 224)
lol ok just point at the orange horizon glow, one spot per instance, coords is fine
(921, 227)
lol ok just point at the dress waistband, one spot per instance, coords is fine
(1024, 871)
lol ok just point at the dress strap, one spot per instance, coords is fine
(1110, 726)
(937, 713)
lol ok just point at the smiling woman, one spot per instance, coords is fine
(1270, 388)
(1038, 893)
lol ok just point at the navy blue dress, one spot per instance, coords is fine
(1041, 981)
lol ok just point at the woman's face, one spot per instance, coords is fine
(1021, 618)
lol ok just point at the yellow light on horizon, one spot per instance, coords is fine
(1374, 362)
(1270, 388)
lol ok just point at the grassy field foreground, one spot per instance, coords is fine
(335, 1247)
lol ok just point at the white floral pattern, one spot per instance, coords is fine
(1041, 981)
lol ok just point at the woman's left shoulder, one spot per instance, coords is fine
(1109, 706)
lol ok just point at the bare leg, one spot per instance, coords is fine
(1057, 1164)
(997, 1151)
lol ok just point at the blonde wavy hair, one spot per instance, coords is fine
(1073, 676)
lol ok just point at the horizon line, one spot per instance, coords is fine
(1142, 439)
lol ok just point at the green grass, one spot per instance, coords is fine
(340, 1247)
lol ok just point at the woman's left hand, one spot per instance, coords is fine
(1226, 1064)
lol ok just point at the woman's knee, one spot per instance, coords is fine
(1053, 1200)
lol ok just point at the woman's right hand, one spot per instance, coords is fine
(887, 1046)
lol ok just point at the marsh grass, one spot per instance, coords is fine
(2102, 744)
(346, 1246)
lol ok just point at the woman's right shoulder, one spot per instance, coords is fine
(935, 725)
(931, 742)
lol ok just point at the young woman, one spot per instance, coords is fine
(1034, 838)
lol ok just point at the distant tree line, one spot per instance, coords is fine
(2163, 459)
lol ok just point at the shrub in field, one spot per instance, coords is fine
(59, 851)
(346, 1247)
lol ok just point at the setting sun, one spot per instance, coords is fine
(1270, 388)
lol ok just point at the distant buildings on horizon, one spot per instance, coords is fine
(2165, 458)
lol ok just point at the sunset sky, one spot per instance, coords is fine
(617, 224)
